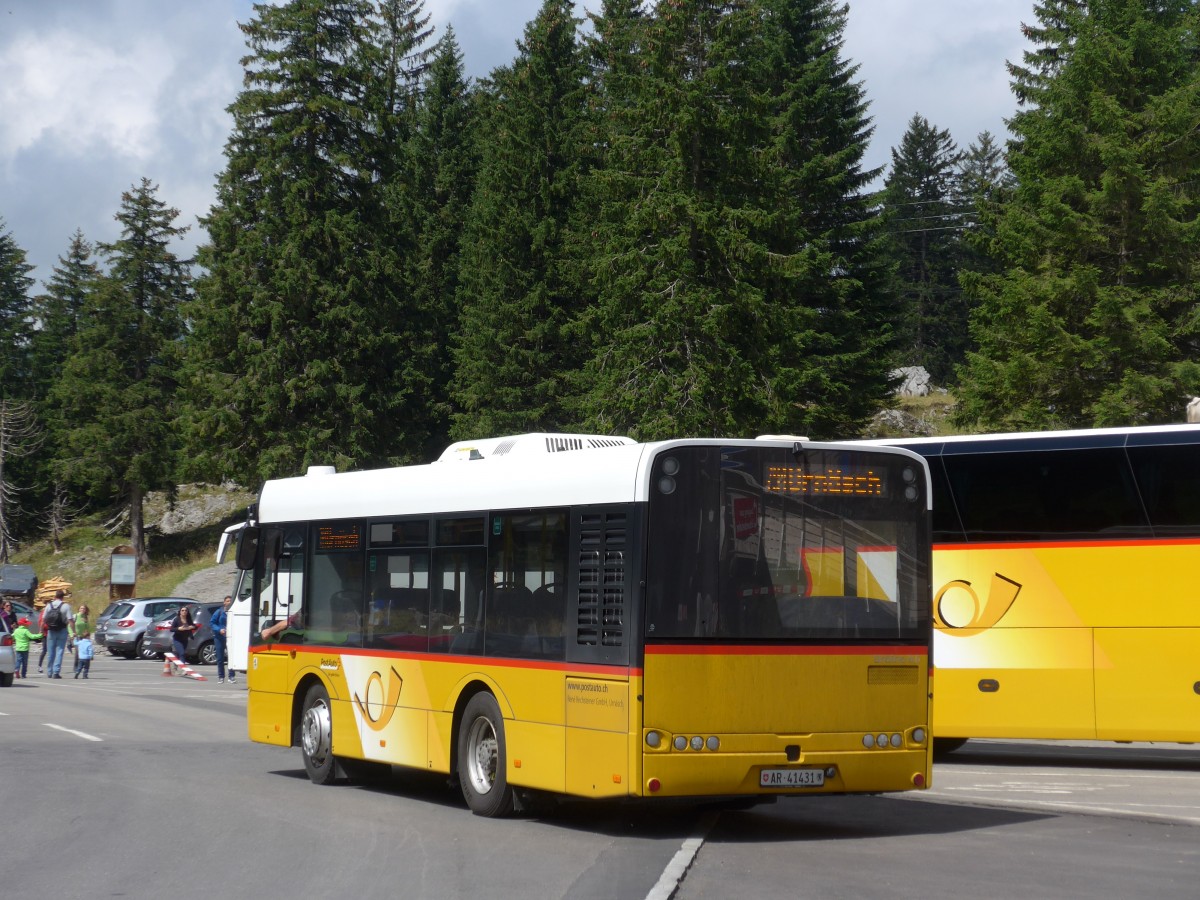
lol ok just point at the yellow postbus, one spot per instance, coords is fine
(1067, 584)
(588, 616)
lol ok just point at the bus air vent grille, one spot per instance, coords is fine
(602, 580)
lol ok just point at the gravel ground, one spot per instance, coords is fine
(208, 585)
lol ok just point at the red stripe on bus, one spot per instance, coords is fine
(542, 664)
(778, 650)
(1093, 542)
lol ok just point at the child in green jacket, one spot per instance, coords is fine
(21, 638)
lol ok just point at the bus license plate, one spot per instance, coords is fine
(791, 778)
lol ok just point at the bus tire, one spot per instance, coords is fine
(316, 736)
(482, 758)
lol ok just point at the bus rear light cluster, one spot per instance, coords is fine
(883, 740)
(682, 742)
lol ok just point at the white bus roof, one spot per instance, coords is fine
(1064, 438)
(619, 473)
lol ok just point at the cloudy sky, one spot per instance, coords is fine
(97, 94)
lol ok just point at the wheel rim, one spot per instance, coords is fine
(208, 654)
(482, 755)
(315, 733)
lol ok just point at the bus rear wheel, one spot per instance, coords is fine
(482, 758)
(316, 736)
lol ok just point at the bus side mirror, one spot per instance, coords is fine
(249, 543)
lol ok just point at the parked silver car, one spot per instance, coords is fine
(200, 648)
(123, 631)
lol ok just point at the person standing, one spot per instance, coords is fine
(83, 656)
(21, 638)
(42, 629)
(56, 620)
(9, 617)
(81, 628)
(219, 623)
(182, 629)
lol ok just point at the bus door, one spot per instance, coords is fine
(242, 612)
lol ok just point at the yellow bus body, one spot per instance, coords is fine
(1091, 640)
(581, 730)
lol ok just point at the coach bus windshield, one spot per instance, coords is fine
(753, 544)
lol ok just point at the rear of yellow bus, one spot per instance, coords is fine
(786, 622)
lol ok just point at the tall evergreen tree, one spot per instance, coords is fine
(923, 201)
(983, 173)
(300, 343)
(116, 394)
(735, 254)
(1092, 319)
(434, 193)
(58, 310)
(15, 317)
(518, 291)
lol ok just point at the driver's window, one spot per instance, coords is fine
(526, 599)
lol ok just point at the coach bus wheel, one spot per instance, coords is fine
(481, 758)
(316, 736)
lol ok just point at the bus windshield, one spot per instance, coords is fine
(753, 544)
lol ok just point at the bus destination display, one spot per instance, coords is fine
(339, 537)
(824, 481)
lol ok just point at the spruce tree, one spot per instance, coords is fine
(15, 317)
(59, 308)
(58, 311)
(301, 345)
(434, 193)
(115, 397)
(923, 202)
(734, 250)
(518, 291)
(1091, 319)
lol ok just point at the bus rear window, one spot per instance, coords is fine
(736, 551)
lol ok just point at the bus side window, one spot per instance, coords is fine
(457, 607)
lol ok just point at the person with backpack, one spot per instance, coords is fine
(56, 619)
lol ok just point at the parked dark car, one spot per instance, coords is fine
(18, 583)
(200, 648)
(123, 630)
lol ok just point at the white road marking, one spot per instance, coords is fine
(669, 880)
(82, 734)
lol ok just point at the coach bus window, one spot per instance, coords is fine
(1041, 495)
(527, 565)
(947, 527)
(398, 599)
(1169, 480)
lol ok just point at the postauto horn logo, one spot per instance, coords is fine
(959, 611)
(376, 710)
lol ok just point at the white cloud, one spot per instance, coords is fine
(96, 94)
(83, 95)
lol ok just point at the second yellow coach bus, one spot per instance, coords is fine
(588, 616)
(1067, 584)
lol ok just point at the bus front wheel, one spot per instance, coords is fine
(316, 736)
(482, 758)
